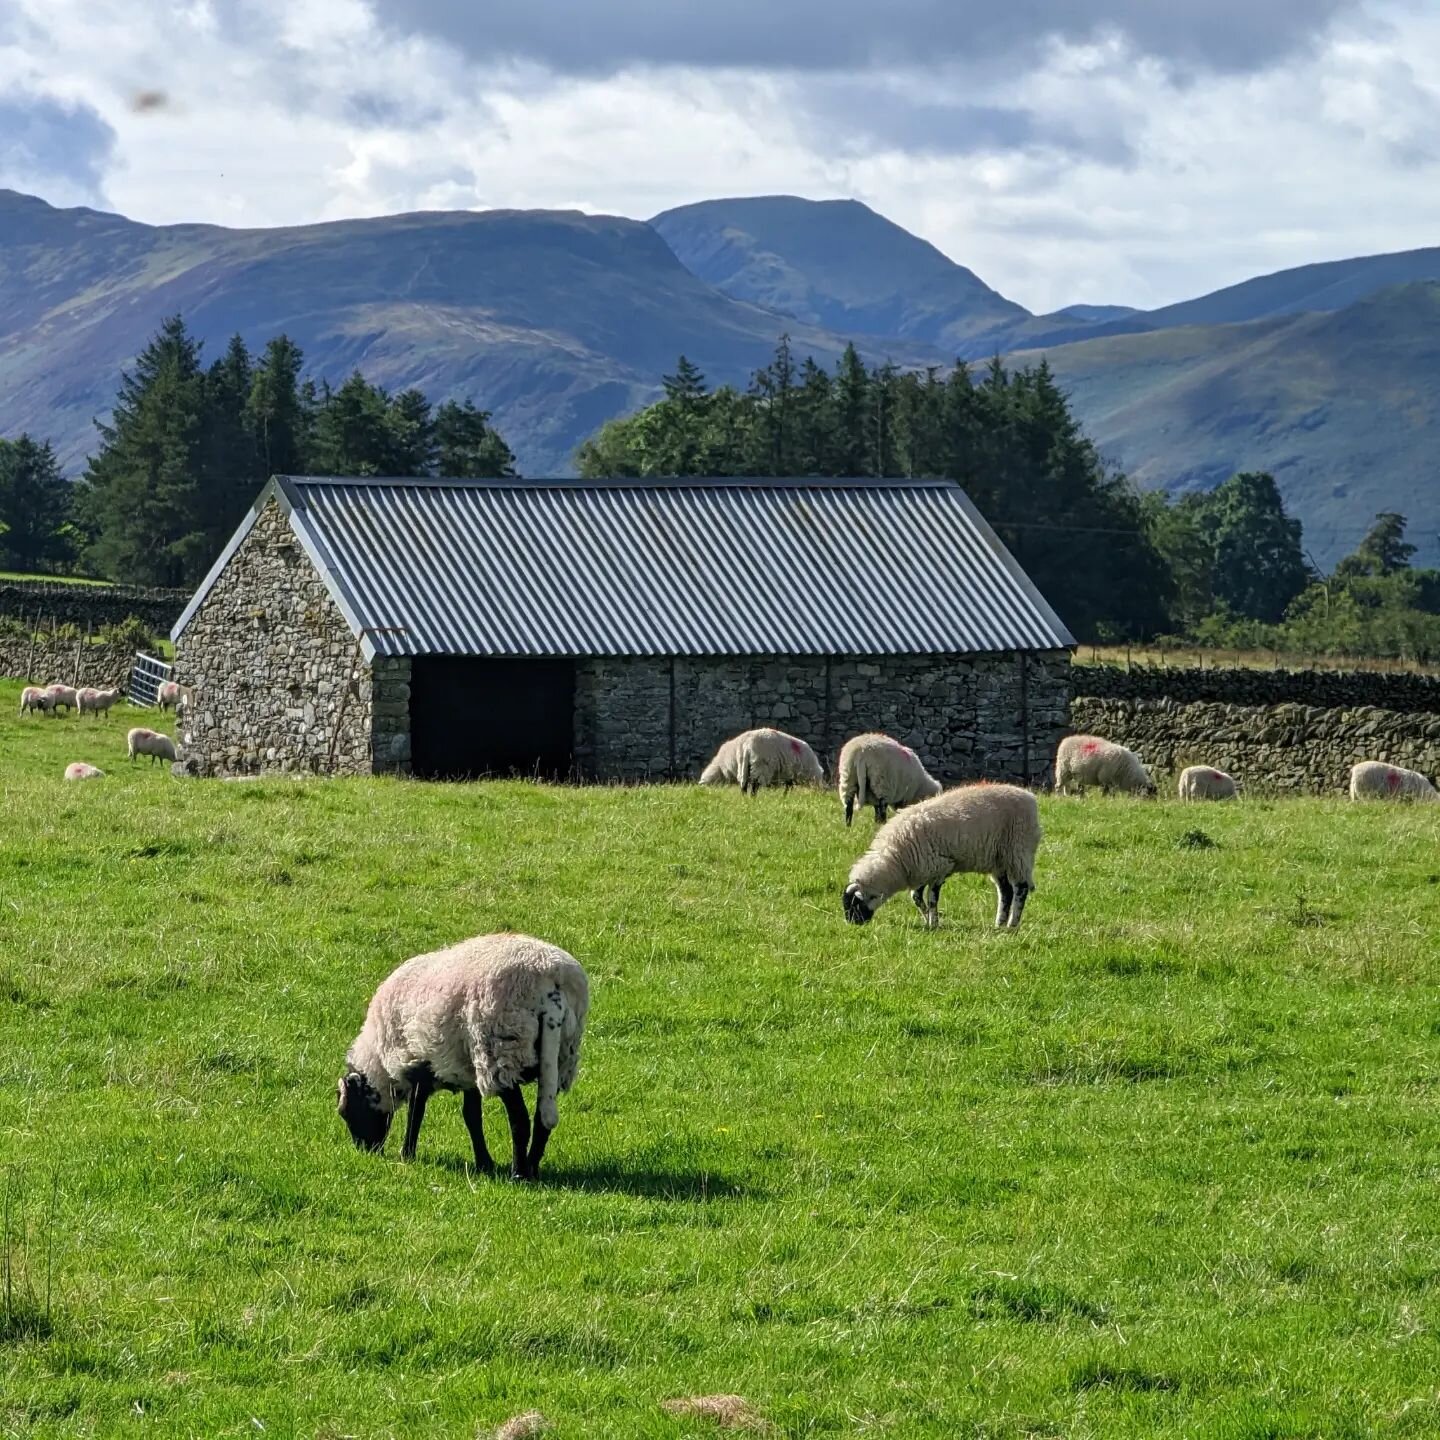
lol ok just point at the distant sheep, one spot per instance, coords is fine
(763, 757)
(97, 702)
(1375, 780)
(141, 741)
(1202, 782)
(65, 695)
(32, 697)
(171, 696)
(876, 770)
(978, 829)
(484, 1017)
(81, 771)
(1084, 760)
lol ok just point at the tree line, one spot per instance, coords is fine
(1227, 567)
(187, 447)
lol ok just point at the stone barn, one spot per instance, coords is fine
(614, 630)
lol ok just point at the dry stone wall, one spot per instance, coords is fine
(1327, 689)
(1286, 748)
(103, 666)
(280, 681)
(90, 606)
(992, 716)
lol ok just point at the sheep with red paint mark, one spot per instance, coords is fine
(1087, 760)
(759, 758)
(877, 770)
(33, 698)
(1204, 782)
(1375, 780)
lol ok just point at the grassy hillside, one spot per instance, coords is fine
(554, 320)
(1160, 1164)
(1341, 407)
(837, 264)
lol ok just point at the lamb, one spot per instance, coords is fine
(141, 741)
(81, 771)
(1201, 782)
(65, 695)
(32, 697)
(1085, 760)
(977, 829)
(483, 1017)
(1375, 780)
(171, 696)
(763, 757)
(876, 770)
(97, 702)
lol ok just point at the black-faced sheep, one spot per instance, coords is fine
(484, 1017)
(978, 829)
(876, 770)
(32, 697)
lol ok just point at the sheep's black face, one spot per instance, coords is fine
(361, 1110)
(858, 909)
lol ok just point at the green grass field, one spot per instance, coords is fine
(1166, 1162)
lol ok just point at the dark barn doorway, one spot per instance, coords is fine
(473, 717)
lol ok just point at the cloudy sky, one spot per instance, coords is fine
(1125, 151)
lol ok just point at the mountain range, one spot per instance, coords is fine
(1328, 375)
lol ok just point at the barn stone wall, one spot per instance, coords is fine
(991, 716)
(280, 681)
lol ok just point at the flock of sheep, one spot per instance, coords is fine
(496, 1012)
(87, 700)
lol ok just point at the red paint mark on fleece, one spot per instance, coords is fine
(1089, 747)
(1392, 779)
(795, 746)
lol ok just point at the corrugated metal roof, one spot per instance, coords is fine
(680, 567)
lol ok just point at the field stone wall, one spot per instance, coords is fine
(1286, 748)
(996, 717)
(47, 661)
(280, 681)
(1326, 689)
(92, 606)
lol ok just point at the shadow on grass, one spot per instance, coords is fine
(617, 1178)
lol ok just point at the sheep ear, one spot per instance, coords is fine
(344, 1092)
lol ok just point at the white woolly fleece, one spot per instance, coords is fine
(1085, 760)
(487, 1014)
(876, 770)
(1375, 780)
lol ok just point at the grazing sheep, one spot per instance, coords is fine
(876, 770)
(141, 741)
(978, 829)
(97, 702)
(1201, 782)
(763, 757)
(484, 1017)
(171, 696)
(1085, 760)
(32, 697)
(1375, 780)
(81, 771)
(65, 695)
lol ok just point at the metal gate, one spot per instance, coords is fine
(146, 678)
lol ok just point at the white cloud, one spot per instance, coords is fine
(1098, 173)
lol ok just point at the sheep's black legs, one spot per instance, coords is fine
(880, 813)
(1006, 892)
(1017, 905)
(849, 811)
(537, 1145)
(928, 904)
(415, 1113)
(474, 1122)
(519, 1132)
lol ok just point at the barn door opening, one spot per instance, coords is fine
(472, 717)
